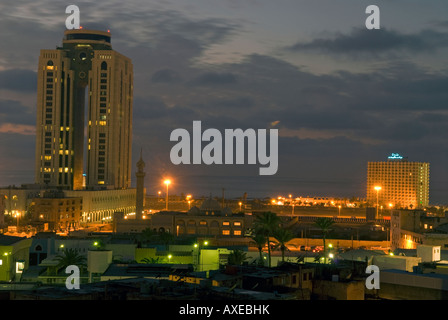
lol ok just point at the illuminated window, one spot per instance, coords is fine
(237, 232)
(237, 224)
(20, 265)
(226, 223)
(226, 232)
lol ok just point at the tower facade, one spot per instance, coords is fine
(398, 183)
(140, 195)
(84, 114)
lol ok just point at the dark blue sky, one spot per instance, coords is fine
(339, 94)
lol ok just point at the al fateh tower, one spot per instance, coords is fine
(84, 114)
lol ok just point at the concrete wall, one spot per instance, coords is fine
(354, 290)
(98, 260)
(396, 262)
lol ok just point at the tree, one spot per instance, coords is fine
(166, 238)
(324, 224)
(237, 257)
(283, 236)
(265, 224)
(145, 236)
(260, 241)
(70, 257)
(150, 260)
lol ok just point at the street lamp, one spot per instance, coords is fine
(377, 188)
(189, 201)
(167, 182)
(240, 203)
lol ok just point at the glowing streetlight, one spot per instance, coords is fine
(240, 203)
(377, 188)
(167, 182)
(189, 200)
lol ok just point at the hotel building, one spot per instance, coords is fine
(398, 183)
(84, 129)
(84, 114)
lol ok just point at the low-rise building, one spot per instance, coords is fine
(14, 257)
(210, 219)
(59, 212)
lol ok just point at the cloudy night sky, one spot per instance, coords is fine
(339, 94)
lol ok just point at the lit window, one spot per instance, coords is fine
(226, 232)
(237, 232)
(226, 223)
(20, 265)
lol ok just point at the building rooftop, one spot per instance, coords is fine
(9, 240)
(435, 281)
(156, 270)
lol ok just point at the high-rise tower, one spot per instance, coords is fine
(140, 196)
(84, 114)
(398, 183)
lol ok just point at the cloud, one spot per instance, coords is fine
(166, 76)
(18, 80)
(361, 41)
(13, 113)
(215, 79)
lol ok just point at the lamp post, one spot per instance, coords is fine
(240, 204)
(377, 188)
(167, 182)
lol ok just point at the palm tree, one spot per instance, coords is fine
(145, 236)
(266, 223)
(237, 257)
(324, 224)
(283, 236)
(70, 257)
(260, 241)
(150, 260)
(166, 238)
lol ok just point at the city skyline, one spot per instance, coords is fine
(340, 95)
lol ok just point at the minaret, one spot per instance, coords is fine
(140, 197)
